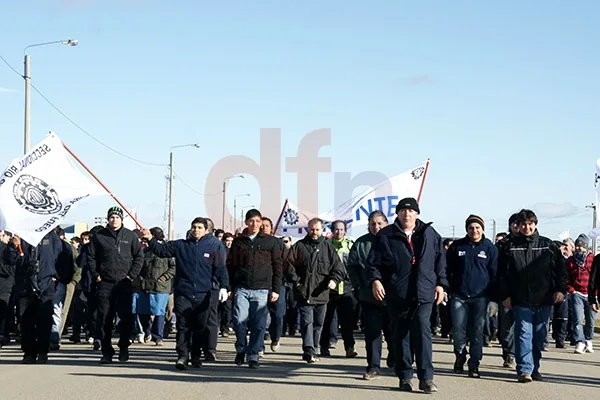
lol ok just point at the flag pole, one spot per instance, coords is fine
(423, 183)
(103, 185)
(280, 216)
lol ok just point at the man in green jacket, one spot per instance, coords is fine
(374, 314)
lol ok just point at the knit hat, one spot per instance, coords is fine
(118, 211)
(409, 203)
(582, 241)
(474, 218)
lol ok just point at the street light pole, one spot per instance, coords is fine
(494, 228)
(27, 78)
(225, 196)
(170, 232)
(235, 208)
(594, 224)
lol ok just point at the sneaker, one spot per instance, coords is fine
(310, 358)
(536, 376)
(160, 343)
(589, 347)
(371, 375)
(325, 352)
(239, 358)
(253, 365)
(509, 363)
(351, 353)
(181, 364)
(525, 378)
(405, 385)
(147, 339)
(90, 340)
(261, 354)
(333, 344)
(459, 364)
(140, 338)
(474, 373)
(275, 346)
(210, 357)
(42, 359)
(97, 345)
(427, 386)
(123, 355)
(580, 348)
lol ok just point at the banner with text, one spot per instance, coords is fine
(355, 212)
(39, 190)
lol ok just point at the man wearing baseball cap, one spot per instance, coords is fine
(115, 259)
(407, 268)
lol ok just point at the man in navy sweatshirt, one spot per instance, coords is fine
(199, 260)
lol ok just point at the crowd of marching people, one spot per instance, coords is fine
(400, 283)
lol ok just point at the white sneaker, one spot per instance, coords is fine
(580, 348)
(589, 347)
(140, 338)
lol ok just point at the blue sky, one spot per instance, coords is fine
(502, 97)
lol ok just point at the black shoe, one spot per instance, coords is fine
(29, 359)
(210, 357)
(106, 360)
(536, 376)
(332, 344)
(405, 385)
(351, 353)
(325, 352)
(427, 386)
(239, 358)
(310, 358)
(42, 359)
(509, 363)
(54, 346)
(196, 362)
(97, 345)
(560, 345)
(123, 355)
(474, 373)
(253, 365)
(459, 364)
(182, 363)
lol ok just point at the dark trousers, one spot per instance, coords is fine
(435, 317)
(225, 315)
(210, 335)
(92, 313)
(79, 311)
(312, 318)
(114, 299)
(192, 317)
(506, 321)
(375, 319)
(560, 321)
(277, 312)
(411, 324)
(290, 322)
(445, 319)
(5, 314)
(344, 305)
(36, 322)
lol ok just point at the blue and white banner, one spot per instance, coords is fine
(383, 197)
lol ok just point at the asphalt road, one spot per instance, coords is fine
(74, 372)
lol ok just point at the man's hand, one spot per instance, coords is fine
(16, 241)
(378, 291)
(223, 295)
(439, 295)
(558, 297)
(507, 303)
(595, 307)
(492, 309)
(332, 285)
(146, 234)
(98, 279)
(274, 297)
(130, 278)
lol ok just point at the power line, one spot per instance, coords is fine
(194, 190)
(76, 125)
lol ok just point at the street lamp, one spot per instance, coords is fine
(27, 78)
(171, 177)
(225, 195)
(235, 208)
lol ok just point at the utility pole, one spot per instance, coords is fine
(170, 221)
(494, 229)
(453, 232)
(594, 223)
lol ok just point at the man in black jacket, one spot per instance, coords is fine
(115, 259)
(407, 267)
(472, 264)
(532, 278)
(315, 268)
(255, 269)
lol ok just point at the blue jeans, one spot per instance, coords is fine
(469, 318)
(531, 331)
(250, 312)
(581, 310)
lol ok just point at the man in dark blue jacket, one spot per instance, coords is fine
(200, 260)
(472, 263)
(407, 267)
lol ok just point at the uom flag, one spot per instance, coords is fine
(41, 189)
(383, 197)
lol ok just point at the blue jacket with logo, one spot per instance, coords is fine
(471, 268)
(408, 271)
(199, 264)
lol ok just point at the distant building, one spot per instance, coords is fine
(75, 229)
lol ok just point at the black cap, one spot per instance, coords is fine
(410, 203)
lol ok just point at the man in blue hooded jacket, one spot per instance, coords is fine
(407, 267)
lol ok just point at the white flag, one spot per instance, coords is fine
(384, 197)
(40, 190)
(128, 222)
